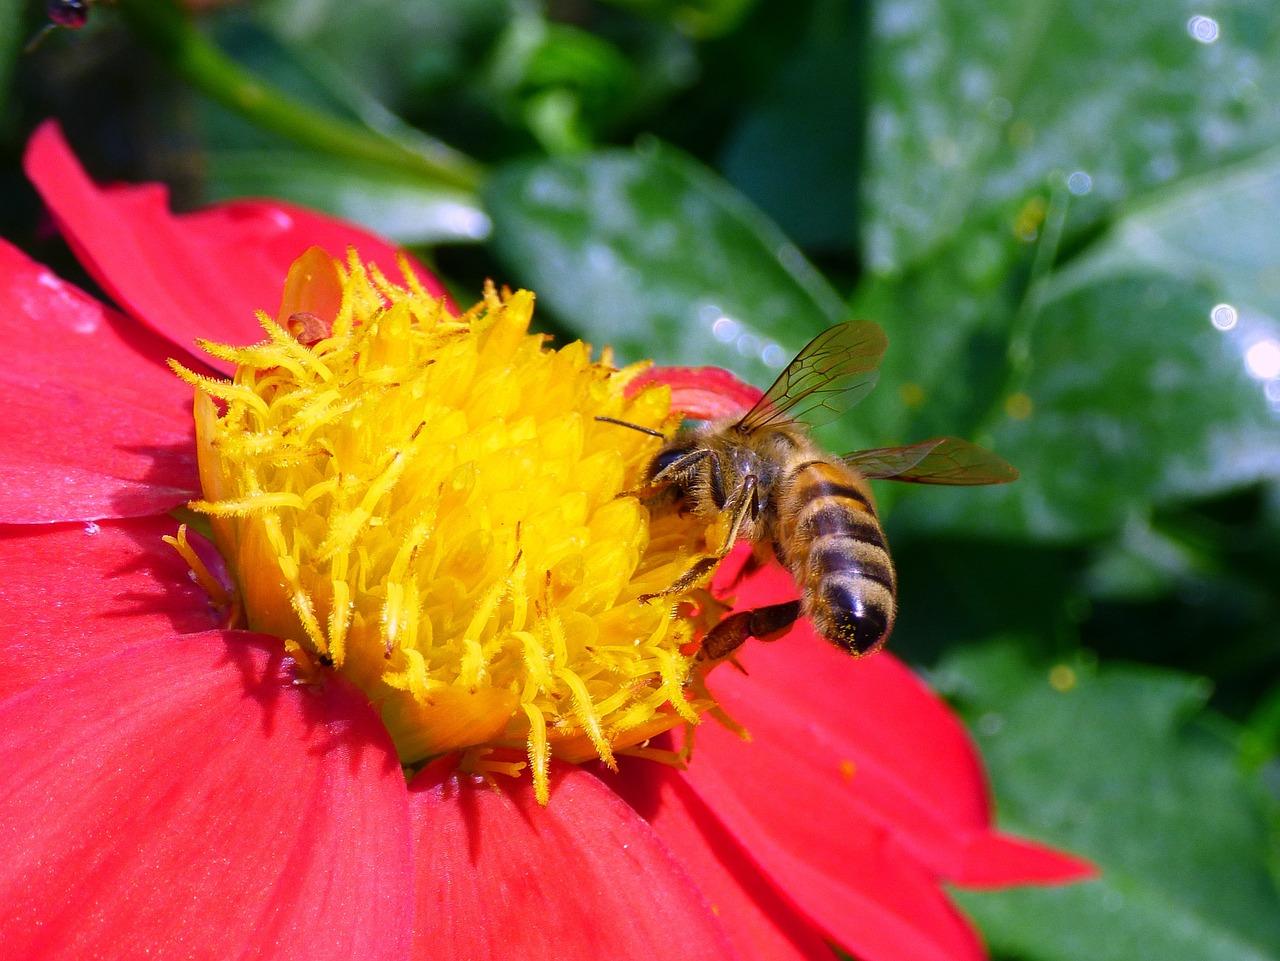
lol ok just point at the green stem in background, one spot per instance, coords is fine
(1018, 359)
(168, 32)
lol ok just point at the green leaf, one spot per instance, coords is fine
(797, 149)
(1115, 425)
(1220, 227)
(1122, 766)
(406, 209)
(1121, 392)
(398, 51)
(10, 43)
(652, 253)
(975, 104)
(701, 18)
(949, 325)
(1143, 563)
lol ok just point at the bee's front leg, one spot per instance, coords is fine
(743, 503)
(675, 472)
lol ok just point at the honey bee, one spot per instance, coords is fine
(775, 487)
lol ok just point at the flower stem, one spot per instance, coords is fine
(168, 32)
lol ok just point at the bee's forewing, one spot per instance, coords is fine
(833, 372)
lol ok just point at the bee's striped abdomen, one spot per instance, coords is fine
(836, 550)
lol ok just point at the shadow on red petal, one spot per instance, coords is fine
(845, 872)
(857, 740)
(182, 797)
(582, 879)
(188, 275)
(71, 592)
(761, 922)
(95, 425)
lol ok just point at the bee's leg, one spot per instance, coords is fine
(765, 623)
(744, 501)
(671, 473)
(686, 581)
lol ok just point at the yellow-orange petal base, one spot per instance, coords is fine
(425, 502)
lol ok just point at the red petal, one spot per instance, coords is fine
(847, 874)
(995, 860)
(759, 920)
(72, 592)
(94, 424)
(193, 275)
(858, 740)
(702, 393)
(182, 798)
(583, 879)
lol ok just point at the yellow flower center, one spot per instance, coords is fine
(426, 503)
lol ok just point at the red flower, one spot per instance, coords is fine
(167, 790)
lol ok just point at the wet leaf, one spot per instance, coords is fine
(974, 104)
(408, 210)
(797, 149)
(1123, 766)
(1147, 373)
(10, 43)
(652, 253)
(399, 51)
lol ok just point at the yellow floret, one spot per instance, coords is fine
(426, 503)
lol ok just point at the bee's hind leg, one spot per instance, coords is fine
(764, 623)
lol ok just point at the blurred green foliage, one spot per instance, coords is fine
(1063, 213)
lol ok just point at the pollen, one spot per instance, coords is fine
(424, 502)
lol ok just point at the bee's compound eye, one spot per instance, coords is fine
(665, 458)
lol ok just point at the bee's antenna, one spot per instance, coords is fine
(622, 423)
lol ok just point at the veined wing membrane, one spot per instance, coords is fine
(831, 374)
(939, 460)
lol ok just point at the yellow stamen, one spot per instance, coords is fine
(208, 583)
(426, 502)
